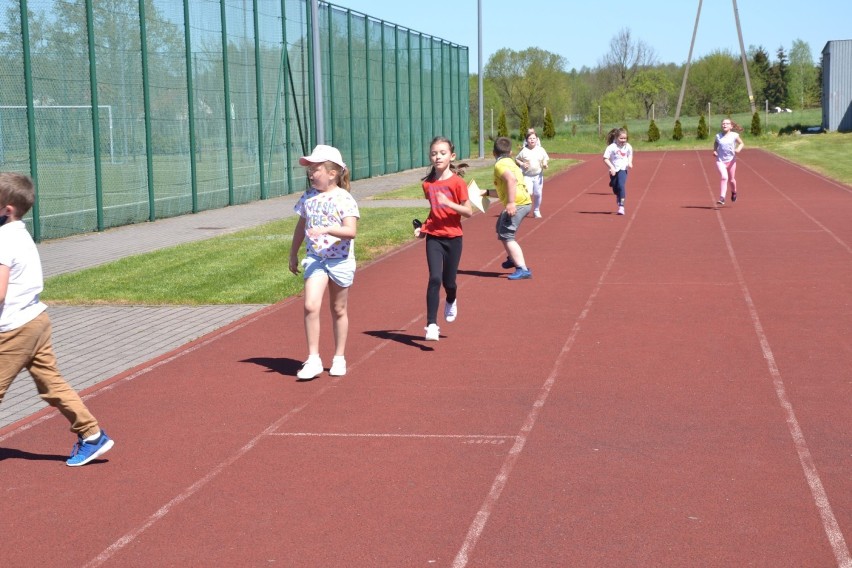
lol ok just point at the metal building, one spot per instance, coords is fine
(837, 85)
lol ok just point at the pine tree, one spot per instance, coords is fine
(502, 128)
(755, 124)
(702, 133)
(525, 123)
(678, 131)
(653, 132)
(549, 128)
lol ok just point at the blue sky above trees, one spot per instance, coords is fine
(580, 33)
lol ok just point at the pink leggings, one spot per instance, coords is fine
(728, 171)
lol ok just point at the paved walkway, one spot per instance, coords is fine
(94, 343)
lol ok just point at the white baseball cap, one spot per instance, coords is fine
(323, 153)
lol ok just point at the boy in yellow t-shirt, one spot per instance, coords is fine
(513, 194)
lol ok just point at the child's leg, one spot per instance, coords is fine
(514, 251)
(435, 259)
(35, 337)
(621, 186)
(723, 174)
(732, 176)
(314, 290)
(452, 258)
(339, 300)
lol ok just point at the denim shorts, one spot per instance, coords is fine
(341, 271)
(507, 226)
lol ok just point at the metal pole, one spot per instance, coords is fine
(481, 95)
(743, 57)
(317, 69)
(688, 60)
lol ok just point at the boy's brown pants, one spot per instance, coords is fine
(30, 346)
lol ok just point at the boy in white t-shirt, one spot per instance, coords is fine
(25, 330)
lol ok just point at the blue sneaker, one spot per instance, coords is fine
(84, 452)
(520, 274)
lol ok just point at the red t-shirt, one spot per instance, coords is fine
(443, 221)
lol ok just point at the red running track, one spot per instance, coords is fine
(670, 389)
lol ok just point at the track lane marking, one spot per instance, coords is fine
(482, 516)
(820, 496)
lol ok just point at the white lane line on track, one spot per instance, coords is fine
(820, 497)
(811, 218)
(481, 519)
(376, 435)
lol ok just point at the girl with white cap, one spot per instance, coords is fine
(328, 219)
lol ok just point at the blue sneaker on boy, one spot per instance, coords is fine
(84, 451)
(520, 274)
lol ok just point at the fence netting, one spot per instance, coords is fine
(126, 111)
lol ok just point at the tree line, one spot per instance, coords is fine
(533, 87)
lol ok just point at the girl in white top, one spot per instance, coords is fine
(726, 146)
(532, 160)
(328, 220)
(618, 157)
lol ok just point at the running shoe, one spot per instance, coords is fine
(432, 332)
(338, 366)
(537, 214)
(520, 274)
(451, 310)
(620, 210)
(508, 263)
(84, 451)
(733, 196)
(721, 201)
(311, 369)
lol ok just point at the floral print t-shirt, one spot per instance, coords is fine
(327, 209)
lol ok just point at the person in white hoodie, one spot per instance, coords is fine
(533, 161)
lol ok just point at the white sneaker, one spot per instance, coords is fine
(451, 311)
(432, 332)
(537, 214)
(338, 366)
(311, 368)
(620, 210)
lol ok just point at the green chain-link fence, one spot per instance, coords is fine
(126, 111)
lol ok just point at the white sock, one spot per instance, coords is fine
(93, 437)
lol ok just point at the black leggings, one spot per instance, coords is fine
(442, 256)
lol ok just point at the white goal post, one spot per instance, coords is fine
(48, 107)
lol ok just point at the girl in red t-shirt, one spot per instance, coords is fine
(448, 199)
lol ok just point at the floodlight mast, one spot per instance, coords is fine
(742, 57)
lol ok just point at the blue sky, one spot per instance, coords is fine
(581, 31)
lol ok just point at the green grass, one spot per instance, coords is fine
(250, 267)
(247, 267)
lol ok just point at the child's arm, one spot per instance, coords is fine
(511, 188)
(298, 239)
(464, 209)
(346, 230)
(609, 165)
(739, 144)
(4, 282)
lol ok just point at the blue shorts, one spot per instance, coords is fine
(341, 271)
(507, 226)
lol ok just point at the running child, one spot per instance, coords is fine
(513, 194)
(533, 160)
(618, 157)
(328, 219)
(448, 201)
(726, 146)
(25, 328)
